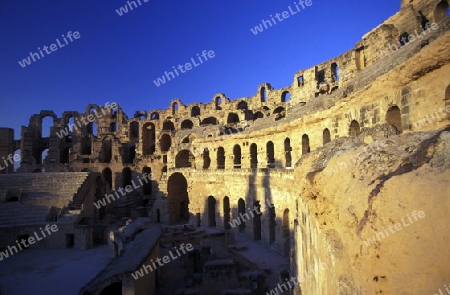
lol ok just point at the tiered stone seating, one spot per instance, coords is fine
(36, 192)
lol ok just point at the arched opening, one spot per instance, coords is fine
(257, 221)
(113, 289)
(154, 116)
(64, 155)
(270, 148)
(220, 158)
(258, 115)
(211, 211)
(106, 152)
(232, 118)
(128, 153)
(300, 81)
(195, 111)
(113, 127)
(218, 101)
(279, 110)
(174, 108)
(187, 124)
(305, 144)
(184, 159)
(263, 94)
(92, 129)
(147, 187)
(46, 125)
(134, 131)
(241, 212)
(335, 72)
(441, 12)
(226, 213)
(354, 129)
(288, 152)
(242, 105)
(126, 176)
(403, 39)
(237, 156)
(253, 155)
(70, 122)
(394, 117)
(86, 146)
(272, 216)
(107, 176)
(168, 126)
(206, 159)
(286, 233)
(209, 121)
(178, 199)
(165, 143)
(285, 96)
(326, 136)
(148, 139)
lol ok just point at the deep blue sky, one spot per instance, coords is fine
(118, 57)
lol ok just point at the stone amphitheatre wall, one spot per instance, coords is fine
(349, 148)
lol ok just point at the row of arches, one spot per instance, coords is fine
(127, 177)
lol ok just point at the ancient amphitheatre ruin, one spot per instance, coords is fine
(352, 148)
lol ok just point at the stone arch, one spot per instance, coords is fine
(127, 176)
(107, 176)
(270, 149)
(326, 136)
(226, 213)
(354, 129)
(263, 94)
(241, 212)
(134, 131)
(209, 121)
(46, 124)
(242, 105)
(212, 211)
(147, 185)
(287, 152)
(441, 12)
(220, 158)
(154, 116)
(237, 156)
(394, 117)
(335, 72)
(258, 115)
(165, 142)
(178, 198)
(206, 159)
(232, 118)
(174, 108)
(148, 139)
(195, 111)
(187, 124)
(184, 159)
(253, 155)
(285, 96)
(168, 126)
(286, 233)
(106, 151)
(305, 144)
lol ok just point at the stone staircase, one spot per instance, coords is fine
(37, 193)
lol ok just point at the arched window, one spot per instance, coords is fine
(134, 131)
(174, 108)
(305, 144)
(232, 118)
(334, 72)
(326, 136)
(287, 152)
(286, 96)
(126, 176)
(206, 159)
(195, 111)
(253, 155)
(354, 130)
(148, 139)
(154, 116)
(220, 158)
(270, 155)
(263, 94)
(187, 124)
(165, 143)
(237, 156)
(394, 118)
(441, 12)
(168, 126)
